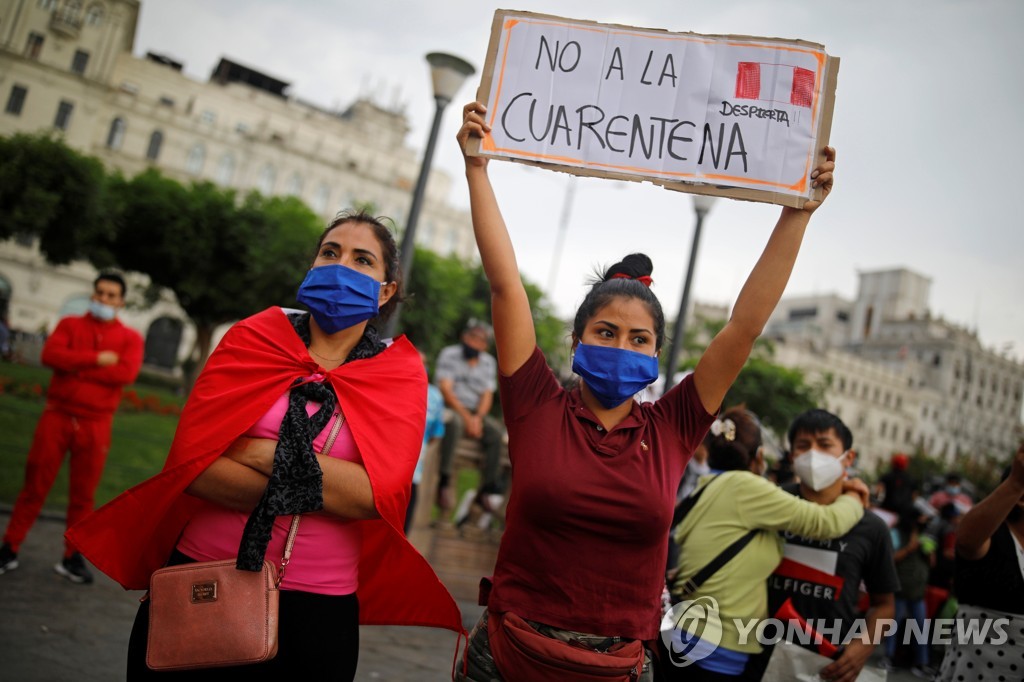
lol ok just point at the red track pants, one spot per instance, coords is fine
(57, 433)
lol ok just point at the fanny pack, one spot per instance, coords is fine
(523, 653)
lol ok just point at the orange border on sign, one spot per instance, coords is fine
(800, 186)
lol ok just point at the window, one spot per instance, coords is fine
(268, 176)
(78, 63)
(323, 193)
(94, 16)
(242, 128)
(34, 45)
(72, 10)
(803, 313)
(16, 100)
(156, 140)
(208, 117)
(294, 185)
(63, 118)
(47, 4)
(166, 101)
(226, 169)
(196, 159)
(115, 138)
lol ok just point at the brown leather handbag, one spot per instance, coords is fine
(209, 614)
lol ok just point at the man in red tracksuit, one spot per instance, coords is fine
(93, 357)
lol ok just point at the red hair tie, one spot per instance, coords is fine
(645, 280)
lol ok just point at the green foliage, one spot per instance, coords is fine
(50, 191)
(982, 471)
(776, 394)
(445, 293)
(223, 261)
(138, 449)
(442, 295)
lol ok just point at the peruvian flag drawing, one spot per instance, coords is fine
(775, 83)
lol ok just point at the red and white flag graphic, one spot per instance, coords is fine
(775, 83)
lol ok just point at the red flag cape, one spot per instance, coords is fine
(384, 401)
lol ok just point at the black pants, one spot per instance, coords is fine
(318, 639)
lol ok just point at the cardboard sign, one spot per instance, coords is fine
(730, 116)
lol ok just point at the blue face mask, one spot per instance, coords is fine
(339, 297)
(614, 375)
(102, 311)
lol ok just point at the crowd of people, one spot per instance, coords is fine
(621, 515)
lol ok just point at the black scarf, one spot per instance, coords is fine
(296, 481)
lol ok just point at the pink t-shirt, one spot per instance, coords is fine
(325, 559)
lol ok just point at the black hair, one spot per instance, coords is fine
(737, 453)
(388, 246)
(607, 287)
(818, 421)
(111, 277)
(953, 477)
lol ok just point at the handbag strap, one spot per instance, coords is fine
(293, 530)
(691, 585)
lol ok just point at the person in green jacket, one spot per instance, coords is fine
(738, 500)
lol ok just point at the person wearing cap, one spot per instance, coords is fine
(896, 488)
(468, 376)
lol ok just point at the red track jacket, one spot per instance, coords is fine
(80, 387)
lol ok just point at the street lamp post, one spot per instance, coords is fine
(448, 73)
(701, 205)
(563, 227)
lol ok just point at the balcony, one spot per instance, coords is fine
(66, 24)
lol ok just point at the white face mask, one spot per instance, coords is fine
(818, 470)
(102, 311)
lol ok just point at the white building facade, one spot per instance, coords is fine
(899, 378)
(67, 66)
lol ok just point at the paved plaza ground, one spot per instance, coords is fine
(53, 630)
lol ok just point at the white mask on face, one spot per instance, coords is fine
(818, 470)
(102, 311)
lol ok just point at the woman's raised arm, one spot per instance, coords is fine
(729, 350)
(514, 334)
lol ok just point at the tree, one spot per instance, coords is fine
(51, 192)
(445, 293)
(222, 260)
(442, 295)
(776, 394)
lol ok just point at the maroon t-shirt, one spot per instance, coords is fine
(589, 510)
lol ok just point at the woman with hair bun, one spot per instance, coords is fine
(581, 563)
(736, 504)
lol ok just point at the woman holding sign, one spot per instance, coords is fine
(579, 576)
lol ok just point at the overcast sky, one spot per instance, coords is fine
(927, 128)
